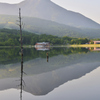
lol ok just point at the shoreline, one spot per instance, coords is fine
(74, 45)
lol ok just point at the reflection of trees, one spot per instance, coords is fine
(9, 55)
(12, 55)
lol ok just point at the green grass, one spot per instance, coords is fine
(85, 45)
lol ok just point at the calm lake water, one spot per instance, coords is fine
(55, 74)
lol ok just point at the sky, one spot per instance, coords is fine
(88, 8)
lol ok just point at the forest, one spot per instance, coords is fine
(11, 37)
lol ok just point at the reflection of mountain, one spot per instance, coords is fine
(42, 84)
(45, 79)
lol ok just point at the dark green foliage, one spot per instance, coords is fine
(12, 38)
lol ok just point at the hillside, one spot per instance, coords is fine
(45, 9)
(40, 26)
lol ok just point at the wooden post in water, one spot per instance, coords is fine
(47, 56)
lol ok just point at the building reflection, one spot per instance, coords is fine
(94, 49)
(42, 48)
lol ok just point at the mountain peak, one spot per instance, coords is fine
(45, 9)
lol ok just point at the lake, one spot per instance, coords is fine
(50, 74)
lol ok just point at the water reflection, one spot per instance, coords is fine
(21, 79)
(42, 48)
(94, 49)
(47, 56)
(12, 55)
(65, 64)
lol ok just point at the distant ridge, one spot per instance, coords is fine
(40, 26)
(45, 9)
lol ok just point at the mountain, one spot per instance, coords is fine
(42, 84)
(41, 26)
(45, 9)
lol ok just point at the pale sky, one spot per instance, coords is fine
(89, 8)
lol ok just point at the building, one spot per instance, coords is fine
(96, 42)
(42, 46)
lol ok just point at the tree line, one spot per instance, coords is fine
(12, 38)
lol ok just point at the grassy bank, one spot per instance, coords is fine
(85, 45)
